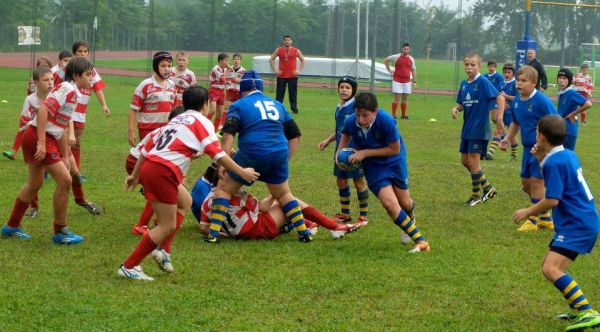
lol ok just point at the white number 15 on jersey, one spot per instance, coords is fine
(267, 110)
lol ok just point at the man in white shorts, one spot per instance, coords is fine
(404, 72)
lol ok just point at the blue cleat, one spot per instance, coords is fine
(66, 237)
(15, 232)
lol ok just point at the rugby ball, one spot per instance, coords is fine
(343, 162)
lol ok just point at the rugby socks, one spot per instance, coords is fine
(58, 228)
(534, 219)
(216, 124)
(409, 227)
(166, 244)
(513, 150)
(146, 215)
(363, 203)
(394, 109)
(403, 108)
(77, 155)
(572, 293)
(493, 146)
(143, 249)
(17, 213)
(35, 202)
(484, 181)
(294, 216)
(78, 192)
(314, 215)
(345, 200)
(476, 183)
(18, 141)
(544, 216)
(223, 117)
(218, 213)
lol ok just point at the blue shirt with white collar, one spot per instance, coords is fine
(569, 101)
(527, 113)
(476, 99)
(342, 112)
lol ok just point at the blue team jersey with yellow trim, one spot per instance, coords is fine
(261, 122)
(476, 99)
(382, 132)
(576, 212)
(527, 113)
(568, 101)
(342, 112)
(509, 88)
(496, 79)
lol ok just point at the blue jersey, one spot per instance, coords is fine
(342, 112)
(569, 101)
(201, 189)
(527, 113)
(496, 79)
(509, 88)
(576, 213)
(477, 99)
(382, 133)
(261, 122)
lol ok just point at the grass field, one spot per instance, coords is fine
(480, 276)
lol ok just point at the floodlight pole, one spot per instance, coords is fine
(357, 35)
(367, 31)
(374, 46)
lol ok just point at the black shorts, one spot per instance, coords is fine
(570, 254)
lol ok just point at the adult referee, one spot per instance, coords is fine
(287, 74)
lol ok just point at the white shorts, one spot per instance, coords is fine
(398, 87)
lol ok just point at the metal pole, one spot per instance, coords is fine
(374, 46)
(367, 32)
(357, 35)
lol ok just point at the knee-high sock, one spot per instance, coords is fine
(572, 293)
(18, 141)
(363, 202)
(35, 202)
(77, 155)
(146, 215)
(493, 146)
(166, 244)
(513, 150)
(218, 213)
(345, 195)
(394, 109)
(78, 191)
(584, 117)
(294, 216)
(403, 108)
(544, 216)
(143, 248)
(476, 183)
(17, 213)
(409, 227)
(314, 215)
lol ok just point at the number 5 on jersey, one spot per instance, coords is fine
(267, 109)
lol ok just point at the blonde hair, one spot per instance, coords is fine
(43, 62)
(473, 55)
(529, 72)
(181, 54)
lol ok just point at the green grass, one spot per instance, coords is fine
(480, 276)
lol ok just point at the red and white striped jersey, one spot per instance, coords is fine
(182, 81)
(583, 84)
(96, 85)
(180, 139)
(239, 73)
(61, 105)
(31, 87)
(135, 151)
(153, 103)
(217, 78)
(240, 218)
(30, 107)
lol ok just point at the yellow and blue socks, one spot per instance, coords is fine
(476, 183)
(493, 147)
(345, 200)
(218, 213)
(572, 293)
(409, 227)
(513, 150)
(363, 203)
(294, 217)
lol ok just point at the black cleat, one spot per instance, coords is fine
(91, 208)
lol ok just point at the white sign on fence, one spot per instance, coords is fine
(29, 35)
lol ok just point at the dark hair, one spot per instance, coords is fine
(509, 66)
(553, 127)
(405, 44)
(492, 63)
(366, 101)
(77, 66)
(65, 54)
(195, 97)
(39, 72)
(78, 44)
(222, 56)
(212, 174)
(287, 36)
(177, 110)
(238, 55)
(43, 62)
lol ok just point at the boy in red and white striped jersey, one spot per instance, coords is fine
(63, 58)
(153, 99)
(584, 85)
(161, 168)
(217, 80)
(181, 76)
(232, 87)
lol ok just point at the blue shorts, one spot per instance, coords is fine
(580, 244)
(340, 173)
(273, 169)
(395, 176)
(473, 146)
(569, 142)
(530, 166)
(507, 118)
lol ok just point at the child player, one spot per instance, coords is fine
(475, 97)
(45, 148)
(508, 90)
(181, 76)
(380, 148)
(576, 221)
(153, 99)
(583, 85)
(161, 168)
(232, 87)
(217, 80)
(528, 108)
(63, 58)
(570, 104)
(41, 62)
(347, 87)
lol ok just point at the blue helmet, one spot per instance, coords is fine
(251, 81)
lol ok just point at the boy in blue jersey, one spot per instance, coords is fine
(475, 97)
(268, 137)
(508, 90)
(347, 87)
(380, 148)
(203, 187)
(576, 218)
(570, 104)
(528, 108)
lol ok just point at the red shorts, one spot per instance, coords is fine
(233, 95)
(216, 95)
(29, 146)
(23, 121)
(160, 183)
(264, 228)
(78, 125)
(130, 164)
(144, 132)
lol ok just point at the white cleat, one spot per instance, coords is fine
(135, 273)
(405, 238)
(163, 259)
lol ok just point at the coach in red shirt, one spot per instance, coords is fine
(287, 74)
(404, 72)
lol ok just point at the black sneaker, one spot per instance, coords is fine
(91, 208)
(295, 111)
(488, 192)
(473, 201)
(404, 117)
(211, 239)
(305, 237)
